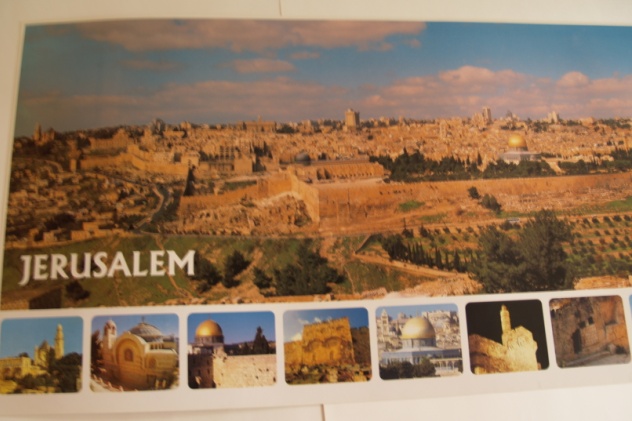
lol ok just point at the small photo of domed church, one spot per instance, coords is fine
(419, 341)
(134, 352)
(231, 350)
(41, 355)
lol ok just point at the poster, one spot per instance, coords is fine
(129, 278)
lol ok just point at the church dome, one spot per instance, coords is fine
(517, 142)
(149, 333)
(208, 328)
(418, 328)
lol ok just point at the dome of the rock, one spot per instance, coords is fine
(517, 142)
(418, 328)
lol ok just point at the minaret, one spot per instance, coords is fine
(59, 342)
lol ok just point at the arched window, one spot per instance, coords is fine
(128, 355)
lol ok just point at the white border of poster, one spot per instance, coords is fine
(14, 14)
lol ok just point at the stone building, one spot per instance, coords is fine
(326, 343)
(20, 366)
(141, 358)
(352, 119)
(416, 341)
(518, 151)
(588, 330)
(209, 365)
(517, 352)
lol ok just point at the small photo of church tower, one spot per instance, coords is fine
(42, 355)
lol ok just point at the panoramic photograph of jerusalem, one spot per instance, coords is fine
(172, 162)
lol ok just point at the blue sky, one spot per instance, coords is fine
(237, 327)
(166, 323)
(22, 335)
(97, 74)
(294, 320)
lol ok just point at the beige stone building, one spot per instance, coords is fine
(517, 352)
(209, 366)
(139, 359)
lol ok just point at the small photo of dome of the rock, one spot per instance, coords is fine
(418, 341)
(327, 346)
(42, 355)
(228, 350)
(134, 352)
(589, 331)
(506, 336)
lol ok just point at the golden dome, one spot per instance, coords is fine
(208, 328)
(418, 328)
(517, 142)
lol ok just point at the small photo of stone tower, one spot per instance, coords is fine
(506, 337)
(327, 346)
(589, 331)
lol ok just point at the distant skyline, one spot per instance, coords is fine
(236, 327)
(414, 310)
(90, 75)
(22, 335)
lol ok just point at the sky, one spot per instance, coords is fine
(237, 327)
(97, 74)
(294, 320)
(166, 323)
(22, 335)
(484, 319)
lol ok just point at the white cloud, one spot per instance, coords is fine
(285, 99)
(260, 65)
(245, 35)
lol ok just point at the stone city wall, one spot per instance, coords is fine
(244, 370)
(487, 356)
(328, 343)
(587, 326)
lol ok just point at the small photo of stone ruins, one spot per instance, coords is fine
(327, 346)
(506, 337)
(589, 331)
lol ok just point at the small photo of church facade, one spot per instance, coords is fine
(506, 336)
(41, 355)
(326, 346)
(230, 350)
(134, 352)
(418, 341)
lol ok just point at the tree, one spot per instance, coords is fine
(489, 202)
(205, 272)
(310, 275)
(535, 261)
(262, 280)
(234, 264)
(473, 192)
(424, 369)
(189, 190)
(541, 247)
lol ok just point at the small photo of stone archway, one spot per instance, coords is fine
(506, 336)
(589, 331)
(327, 346)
